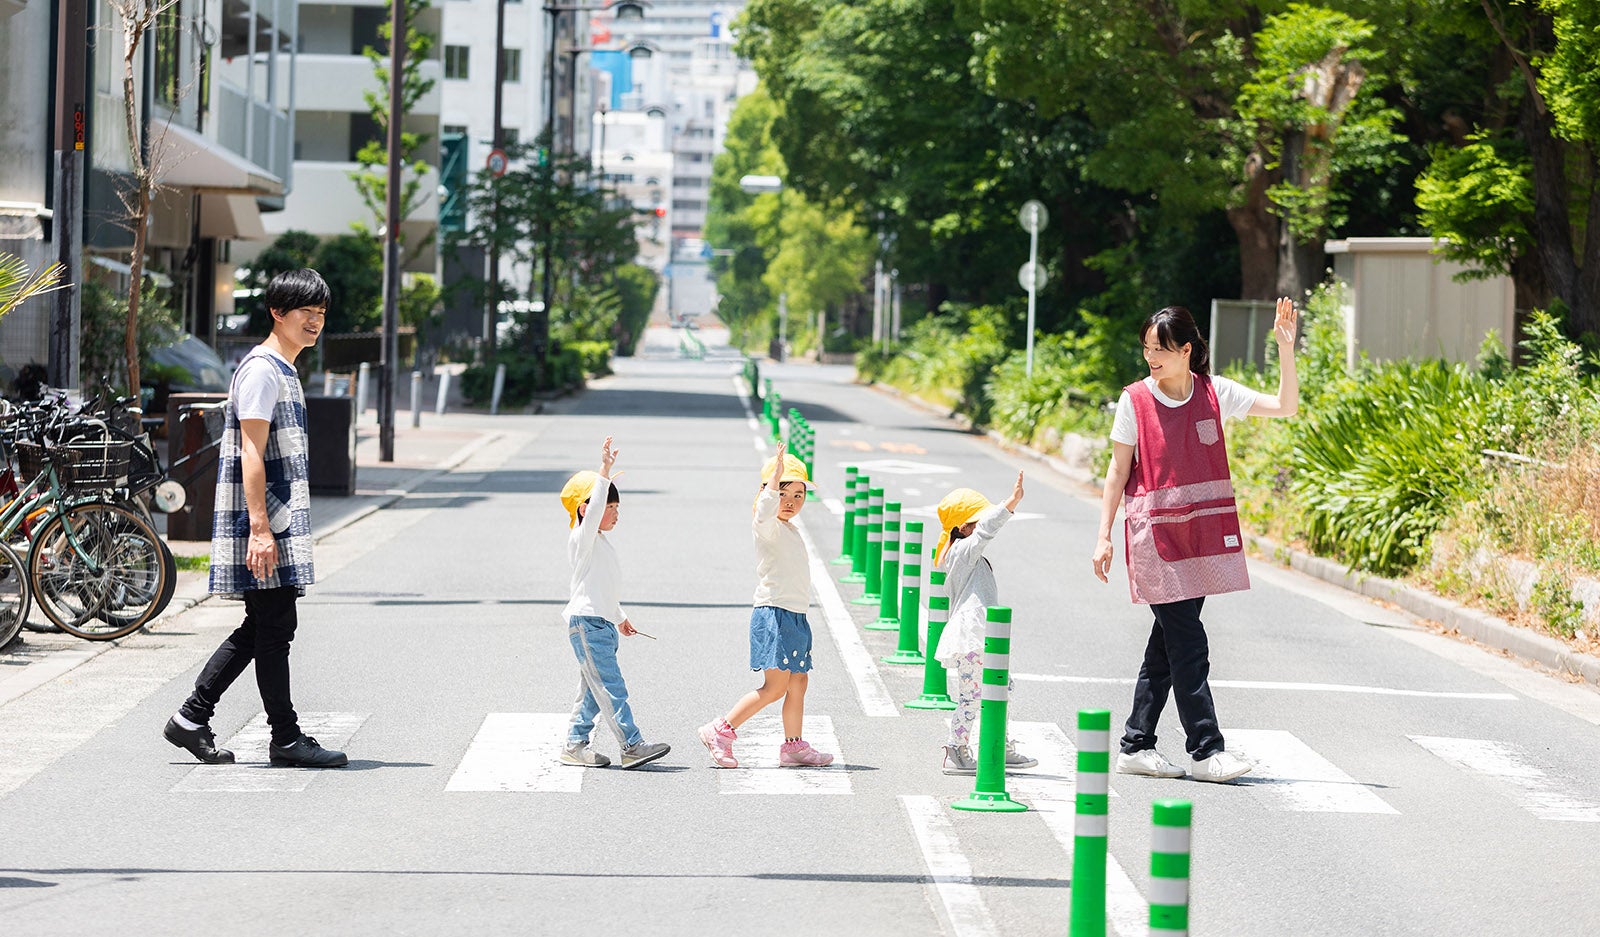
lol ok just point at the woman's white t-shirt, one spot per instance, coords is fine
(1233, 399)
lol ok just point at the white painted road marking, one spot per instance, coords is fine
(518, 752)
(1279, 685)
(952, 873)
(758, 771)
(1050, 789)
(874, 696)
(1532, 789)
(253, 773)
(1301, 778)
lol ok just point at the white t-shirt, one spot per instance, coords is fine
(596, 570)
(1233, 399)
(782, 564)
(256, 386)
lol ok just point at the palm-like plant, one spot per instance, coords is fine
(18, 284)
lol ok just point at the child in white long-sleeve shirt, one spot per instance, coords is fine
(594, 617)
(968, 521)
(780, 635)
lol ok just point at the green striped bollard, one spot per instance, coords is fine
(811, 460)
(775, 419)
(1169, 869)
(1089, 834)
(858, 550)
(989, 791)
(935, 681)
(910, 596)
(873, 583)
(849, 540)
(889, 602)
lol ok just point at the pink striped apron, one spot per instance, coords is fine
(1180, 517)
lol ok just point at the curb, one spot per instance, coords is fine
(1480, 626)
(1489, 630)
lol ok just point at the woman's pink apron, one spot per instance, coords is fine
(1181, 520)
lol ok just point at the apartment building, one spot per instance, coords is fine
(332, 122)
(215, 108)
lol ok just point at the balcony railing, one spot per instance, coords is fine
(253, 129)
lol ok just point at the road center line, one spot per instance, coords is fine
(952, 873)
(1279, 685)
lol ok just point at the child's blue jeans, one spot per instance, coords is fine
(601, 693)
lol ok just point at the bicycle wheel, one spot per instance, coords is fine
(98, 570)
(15, 596)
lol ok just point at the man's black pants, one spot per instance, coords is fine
(1177, 660)
(264, 636)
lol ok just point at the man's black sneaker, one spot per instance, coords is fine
(200, 743)
(304, 752)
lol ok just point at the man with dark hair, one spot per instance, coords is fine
(261, 535)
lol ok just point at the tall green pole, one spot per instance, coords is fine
(889, 603)
(1169, 869)
(1089, 838)
(910, 597)
(989, 790)
(858, 552)
(873, 568)
(935, 681)
(850, 473)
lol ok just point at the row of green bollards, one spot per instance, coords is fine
(884, 555)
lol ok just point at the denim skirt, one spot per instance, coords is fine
(779, 640)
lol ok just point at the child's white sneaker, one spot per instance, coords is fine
(1016, 759)
(958, 760)
(580, 754)
(643, 753)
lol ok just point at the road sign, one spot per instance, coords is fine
(1033, 216)
(1032, 276)
(497, 162)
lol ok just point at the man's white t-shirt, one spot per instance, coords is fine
(256, 386)
(1233, 399)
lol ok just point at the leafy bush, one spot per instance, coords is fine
(1380, 469)
(947, 357)
(1065, 392)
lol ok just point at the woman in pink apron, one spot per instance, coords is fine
(1169, 467)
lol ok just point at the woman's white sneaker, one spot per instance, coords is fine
(1220, 767)
(1149, 762)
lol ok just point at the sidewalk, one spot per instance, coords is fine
(440, 444)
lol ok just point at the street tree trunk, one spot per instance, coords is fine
(136, 18)
(1256, 227)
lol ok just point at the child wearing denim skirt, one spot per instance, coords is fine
(780, 636)
(594, 617)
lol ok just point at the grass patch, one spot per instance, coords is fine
(193, 564)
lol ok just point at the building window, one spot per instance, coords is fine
(509, 136)
(456, 61)
(688, 205)
(512, 65)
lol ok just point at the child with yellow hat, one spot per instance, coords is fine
(780, 635)
(595, 617)
(967, 522)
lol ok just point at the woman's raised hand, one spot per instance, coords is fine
(1283, 327)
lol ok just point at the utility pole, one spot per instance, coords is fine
(491, 312)
(388, 361)
(71, 117)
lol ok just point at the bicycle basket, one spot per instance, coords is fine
(102, 463)
(31, 461)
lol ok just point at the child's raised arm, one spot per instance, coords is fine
(608, 458)
(1016, 495)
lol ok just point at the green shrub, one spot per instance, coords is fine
(1381, 468)
(1067, 389)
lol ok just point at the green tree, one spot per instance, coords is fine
(372, 179)
(352, 265)
(1518, 194)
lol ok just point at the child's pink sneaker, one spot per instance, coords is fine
(800, 754)
(718, 737)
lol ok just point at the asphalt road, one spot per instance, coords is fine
(1407, 784)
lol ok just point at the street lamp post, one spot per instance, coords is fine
(760, 185)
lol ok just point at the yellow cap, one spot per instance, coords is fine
(794, 470)
(575, 492)
(957, 508)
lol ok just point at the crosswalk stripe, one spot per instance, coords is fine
(758, 771)
(1050, 790)
(518, 752)
(1533, 789)
(1302, 779)
(252, 772)
(862, 667)
(952, 873)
